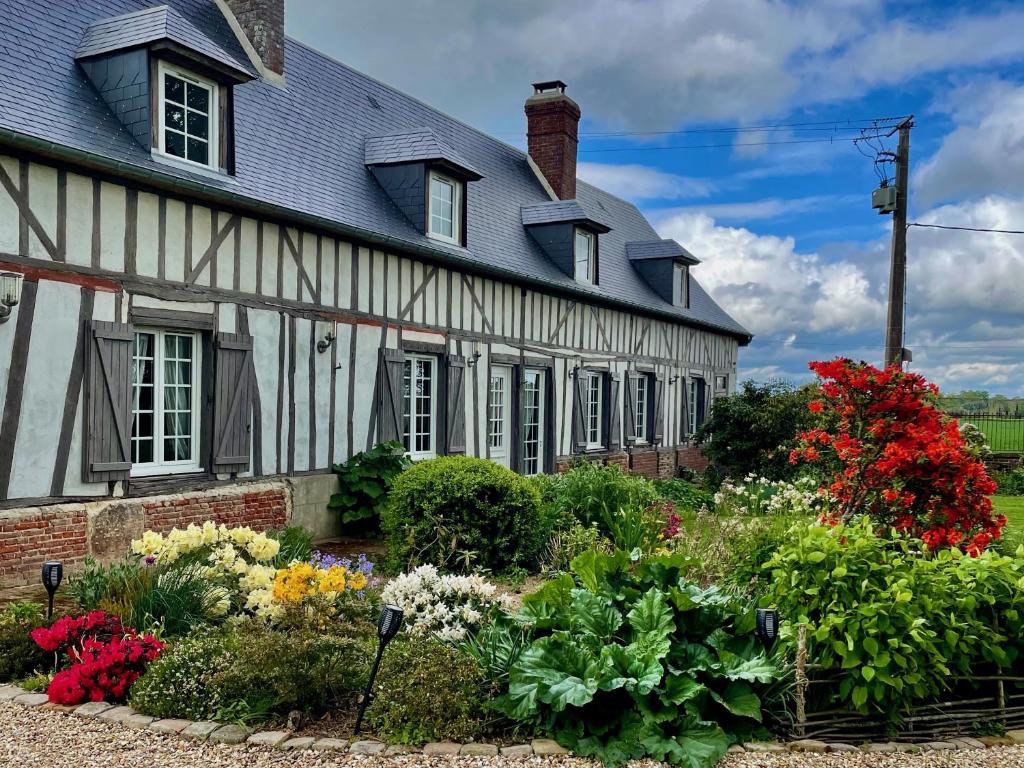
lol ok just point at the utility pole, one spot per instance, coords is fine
(894, 354)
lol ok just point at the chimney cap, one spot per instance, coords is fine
(548, 86)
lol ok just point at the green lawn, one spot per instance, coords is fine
(1013, 508)
(1002, 435)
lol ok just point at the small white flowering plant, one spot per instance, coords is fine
(756, 496)
(448, 607)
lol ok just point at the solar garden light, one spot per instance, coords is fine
(53, 575)
(767, 625)
(387, 627)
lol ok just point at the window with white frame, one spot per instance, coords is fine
(165, 402)
(445, 215)
(681, 284)
(639, 425)
(188, 116)
(691, 404)
(419, 411)
(594, 414)
(722, 383)
(533, 422)
(585, 256)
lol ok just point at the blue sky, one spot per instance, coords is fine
(789, 243)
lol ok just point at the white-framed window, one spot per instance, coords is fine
(691, 404)
(444, 219)
(165, 402)
(188, 116)
(681, 285)
(640, 399)
(499, 412)
(585, 256)
(594, 413)
(419, 410)
(722, 383)
(533, 422)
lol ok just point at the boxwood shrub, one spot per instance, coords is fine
(463, 513)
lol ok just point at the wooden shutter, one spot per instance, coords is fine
(657, 408)
(390, 395)
(107, 410)
(612, 414)
(630, 408)
(701, 402)
(579, 432)
(233, 386)
(455, 405)
(684, 420)
(518, 418)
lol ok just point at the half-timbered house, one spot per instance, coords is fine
(231, 261)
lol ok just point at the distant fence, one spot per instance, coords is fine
(1004, 432)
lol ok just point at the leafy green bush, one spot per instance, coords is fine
(462, 512)
(296, 544)
(249, 673)
(892, 625)
(363, 484)
(569, 541)
(753, 430)
(19, 654)
(685, 495)
(173, 601)
(428, 691)
(1010, 483)
(636, 662)
(590, 493)
(97, 581)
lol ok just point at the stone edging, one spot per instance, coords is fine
(221, 733)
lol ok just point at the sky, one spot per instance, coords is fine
(730, 124)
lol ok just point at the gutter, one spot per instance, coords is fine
(177, 184)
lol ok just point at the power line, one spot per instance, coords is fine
(825, 125)
(729, 145)
(967, 229)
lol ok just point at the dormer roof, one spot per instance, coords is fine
(418, 146)
(560, 212)
(644, 250)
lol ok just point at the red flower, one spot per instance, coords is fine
(816, 406)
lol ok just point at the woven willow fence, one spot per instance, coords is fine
(975, 704)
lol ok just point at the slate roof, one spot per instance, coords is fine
(557, 211)
(412, 147)
(659, 249)
(131, 30)
(299, 151)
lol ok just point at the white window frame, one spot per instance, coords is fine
(213, 130)
(681, 284)
(589, 273)
(594, 410)
(722, 382)
(159, 466)
(499, 416)
(541, 407)
(407, 437)
(641, 402)
(456, 185)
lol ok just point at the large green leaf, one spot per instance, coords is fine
(595, 615)
(693, 744)
(628, 668)
(548, 607)
(739, 699)
(679, 689)
(557, 671)
(593, 568)
(758, 669)
(652, 616)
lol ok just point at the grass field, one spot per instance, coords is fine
(1002, 435)
(1013, 508)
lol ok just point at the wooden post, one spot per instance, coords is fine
(801, 680)
(898, 267)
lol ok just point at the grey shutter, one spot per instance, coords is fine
(455, 405)
(518, 418)
(232, 402)
(658, 410)
(613, 416)
(107, 410)
(701, 403)
(683, 421)
(579, 433)
(390, 395)
(630, 409)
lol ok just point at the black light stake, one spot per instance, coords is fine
(387, 627)
(53, 575)
(767, 625)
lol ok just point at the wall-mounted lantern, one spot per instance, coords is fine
(10, 293)
(387, 627)
(325, 343)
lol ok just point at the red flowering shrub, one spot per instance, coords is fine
(105, 657)
(900, 460)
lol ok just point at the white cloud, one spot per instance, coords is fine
(641, 182)
(757, 210)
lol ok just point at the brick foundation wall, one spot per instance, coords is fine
(666, 463)
(104, 529)
(644, 462)
(692, 457)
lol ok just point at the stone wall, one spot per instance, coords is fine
(29, 536)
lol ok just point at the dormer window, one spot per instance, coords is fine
(188, 116)
(681, 284)
(585, 256)
(445, 214)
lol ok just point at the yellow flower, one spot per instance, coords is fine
(262, 547)
(294, 583)
(357, 581)
(333, 579)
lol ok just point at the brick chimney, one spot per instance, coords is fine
(552, 121)
(262, 23)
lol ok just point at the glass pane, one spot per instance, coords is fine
(185, 347)
(198, 98)
(198, 124)
(174, 117)
(143, 345)
(144, 398)
(174, 89)
(174, 143)
(143, 426)
(198, 151)
(184, 372)
(143, 451)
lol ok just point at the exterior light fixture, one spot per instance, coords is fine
(53, 575)
(387, 627)
(325, 343)
(673, 379)
(767, 625)
(10, 293)
(577, 364)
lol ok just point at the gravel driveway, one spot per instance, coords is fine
(31, 738)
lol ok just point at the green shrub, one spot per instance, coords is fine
(250, 673)
(637, 663)
(296, 544)
(364, 482)
(892, 625)
(19, 654)
(170, 600)
(97, 581)
(568, 542)
(591, 493)
(1010, 483)
(685, 495)
(462, 512)
(428, 691)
